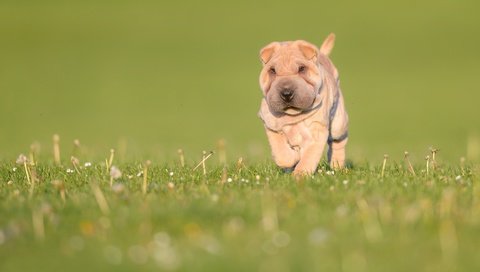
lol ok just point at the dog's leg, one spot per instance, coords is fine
(283, 155)
(336, 153)
(339, 136)
(312, 152)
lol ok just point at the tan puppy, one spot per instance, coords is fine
(303, 106)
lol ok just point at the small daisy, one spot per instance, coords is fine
(330, 173)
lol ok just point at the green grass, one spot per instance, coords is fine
(260, 219)
(148, 77)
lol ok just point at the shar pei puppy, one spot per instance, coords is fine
(302, 107)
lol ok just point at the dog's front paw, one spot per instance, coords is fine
(287, 161)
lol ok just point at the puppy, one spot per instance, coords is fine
(302, 108)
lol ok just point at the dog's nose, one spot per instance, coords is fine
(286, 95)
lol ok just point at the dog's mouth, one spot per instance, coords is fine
(292, 110)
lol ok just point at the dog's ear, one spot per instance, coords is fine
(328, 44)
(267, 52)
(309, 50)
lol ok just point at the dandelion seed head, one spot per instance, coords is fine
(22, 159)
(115, 173)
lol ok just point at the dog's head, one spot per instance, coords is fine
(293, 73)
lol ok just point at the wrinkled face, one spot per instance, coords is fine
(291, 77)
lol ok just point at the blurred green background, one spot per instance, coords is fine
(160, 75)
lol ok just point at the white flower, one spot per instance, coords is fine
(22, 159)
(70, 170)
(14, 169)
(87, 164)
(229, 180)
(171, 174)
(115, 173)
(345, 182)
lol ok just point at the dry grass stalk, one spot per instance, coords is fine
(182, 157)
(100, 198)
(427, 158)
(434, 155)
(385, 157)
(145, 176)
(202, 162)
(409, 164)
(75, 163)
(56, 149)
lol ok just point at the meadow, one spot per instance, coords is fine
(81, 215)
(146, 78)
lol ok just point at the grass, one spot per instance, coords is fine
(254, 218)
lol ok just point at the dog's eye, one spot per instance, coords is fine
(272, 71)
(302, 69)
